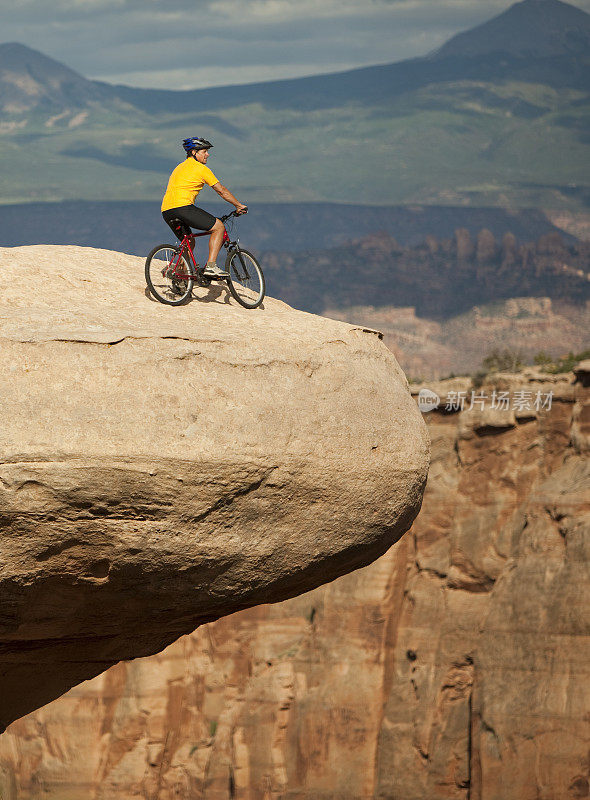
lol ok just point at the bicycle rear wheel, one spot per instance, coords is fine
(169, 280)
(246, 281)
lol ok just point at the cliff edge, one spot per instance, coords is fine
(163, 467)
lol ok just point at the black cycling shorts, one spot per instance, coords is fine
(189, 215)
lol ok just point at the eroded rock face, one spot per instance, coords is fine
(455, 666)
(162, 467)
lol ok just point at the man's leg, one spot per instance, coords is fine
(215, 241)
(199, 218)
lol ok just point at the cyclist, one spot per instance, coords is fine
(185, 183)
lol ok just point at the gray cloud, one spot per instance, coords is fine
(191, 43)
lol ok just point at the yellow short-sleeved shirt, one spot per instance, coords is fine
(186, 182)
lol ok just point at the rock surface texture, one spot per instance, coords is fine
(162, 467)
(456, 666)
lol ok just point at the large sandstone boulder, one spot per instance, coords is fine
(162, 467)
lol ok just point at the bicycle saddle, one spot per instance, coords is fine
(181, 229)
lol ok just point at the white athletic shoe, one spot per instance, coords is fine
(213, 271)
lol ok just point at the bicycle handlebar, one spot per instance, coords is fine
(233, 214)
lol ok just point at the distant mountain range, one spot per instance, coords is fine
(497, 116)
(540, 41)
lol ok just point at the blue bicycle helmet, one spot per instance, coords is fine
(195, 143)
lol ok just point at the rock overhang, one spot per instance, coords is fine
(164, 466)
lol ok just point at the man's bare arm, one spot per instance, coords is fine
(224, 192)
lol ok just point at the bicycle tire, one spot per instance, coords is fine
(246, 280)
(165, 287)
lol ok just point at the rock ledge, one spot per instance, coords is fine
(162, 467)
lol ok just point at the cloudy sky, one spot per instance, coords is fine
(195, 43)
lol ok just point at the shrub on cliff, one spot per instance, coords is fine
(506, 360)
(556, 366)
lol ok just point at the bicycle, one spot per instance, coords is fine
(171, 271)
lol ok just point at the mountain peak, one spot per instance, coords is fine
(14, 55)
(29, 79)
(530, 28)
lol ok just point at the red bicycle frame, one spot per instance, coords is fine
(187, 244)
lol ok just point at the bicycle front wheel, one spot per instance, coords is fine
(246, 281)
(169, 278)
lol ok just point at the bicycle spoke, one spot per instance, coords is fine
(168, 275)
(246, 280)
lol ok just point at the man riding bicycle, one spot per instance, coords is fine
(185, 183)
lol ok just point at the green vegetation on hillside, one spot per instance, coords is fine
(565, 363)
(509, 360)
(470, 142)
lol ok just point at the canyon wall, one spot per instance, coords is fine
(427, 349)
(440, 278)
(456, 667)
